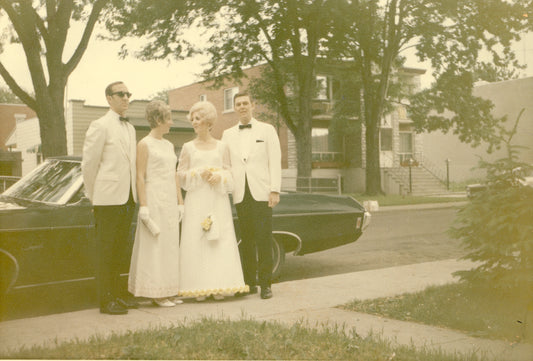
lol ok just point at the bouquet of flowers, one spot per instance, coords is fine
(210, 227)
(206, 223)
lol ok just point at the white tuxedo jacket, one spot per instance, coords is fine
(262, 166)
(108, 163)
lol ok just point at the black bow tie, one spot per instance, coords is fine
(124, 119)
(242, 126)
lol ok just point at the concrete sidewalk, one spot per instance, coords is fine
(311, 300)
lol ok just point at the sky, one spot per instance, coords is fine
(101, 65)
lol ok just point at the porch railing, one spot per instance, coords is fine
(327, 157)
(6, 181)
(312, 185)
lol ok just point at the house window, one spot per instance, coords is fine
(203, 98)
(406, 146)
(322, 87)
(228, 98)
(385, 139)
(402, 112)
(325, 146)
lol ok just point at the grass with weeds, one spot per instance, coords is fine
(244, 339)
(475, 309)
(400, 200)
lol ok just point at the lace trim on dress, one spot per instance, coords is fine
(152, 292)
(214, 291)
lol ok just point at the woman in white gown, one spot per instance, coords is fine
(154, 270)
(209, 255)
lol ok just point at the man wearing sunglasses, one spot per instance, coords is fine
(108, 168)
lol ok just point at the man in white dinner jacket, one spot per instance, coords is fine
(256, 167)
(108, 167)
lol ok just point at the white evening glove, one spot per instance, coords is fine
(144, 213)
(144, 216)
(181, 212)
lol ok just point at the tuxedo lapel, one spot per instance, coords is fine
(236, 141)
(124, 146)
(255, 136)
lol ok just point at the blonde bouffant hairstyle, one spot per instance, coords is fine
(206, 110)
(156, 113)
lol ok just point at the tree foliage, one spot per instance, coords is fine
(6, 96)
(286, 36)
(452, 35)
(289, 37)
(41, 28)
(496, 226)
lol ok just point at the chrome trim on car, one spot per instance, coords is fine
(17, 269)
(299, 247)
(45, 228)
(313, 214)
(54, 283)
(367, 216)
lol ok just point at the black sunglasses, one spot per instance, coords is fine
(122, 94)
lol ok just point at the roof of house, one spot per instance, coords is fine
(8, 121)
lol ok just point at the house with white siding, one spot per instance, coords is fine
(26, 139)
(509, 97)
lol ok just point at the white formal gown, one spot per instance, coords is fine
(208, 267)
(154, 270)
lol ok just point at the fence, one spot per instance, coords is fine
(312, 185)
(6, 181)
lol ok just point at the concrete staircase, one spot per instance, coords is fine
(423, 182)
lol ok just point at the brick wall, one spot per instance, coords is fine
(184, 97)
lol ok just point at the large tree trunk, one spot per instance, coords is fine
(50, 110)
(53, 132)
(303, 132)
(373, 170)
(304, 153)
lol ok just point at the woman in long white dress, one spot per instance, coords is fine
(209, 255)
(154, 270)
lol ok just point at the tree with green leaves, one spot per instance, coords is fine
(286, 36)
(453, 35)
(41, 28)
(7, 96)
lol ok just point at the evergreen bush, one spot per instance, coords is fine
(496, 227)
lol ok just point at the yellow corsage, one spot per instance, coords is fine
(206, 223)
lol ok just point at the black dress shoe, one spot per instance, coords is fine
(114, 308)
(266, 292)
(128, 302)
(252, 291)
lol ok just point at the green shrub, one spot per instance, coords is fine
(497, 226)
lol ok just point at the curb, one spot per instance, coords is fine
(422, 206)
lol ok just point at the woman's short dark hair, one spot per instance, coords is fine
(156, 112)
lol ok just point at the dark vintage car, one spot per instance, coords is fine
(47, 227)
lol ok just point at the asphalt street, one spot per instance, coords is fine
(394, 238)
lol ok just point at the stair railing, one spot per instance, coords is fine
(433, 169)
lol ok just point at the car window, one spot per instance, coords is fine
(77, 196)
(47, 183)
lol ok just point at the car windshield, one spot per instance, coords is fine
(52, 182)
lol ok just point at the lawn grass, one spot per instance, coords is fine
(477, 310)
(399, 200)
(235, 340)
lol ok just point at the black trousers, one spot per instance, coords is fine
(113, 248)
(255, 224)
